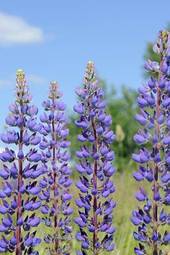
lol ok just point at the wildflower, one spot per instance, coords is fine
(20, 189)
(153, 157)
(95, 167)
(56, 197)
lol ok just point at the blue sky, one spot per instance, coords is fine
(53, 40)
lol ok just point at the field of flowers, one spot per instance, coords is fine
(56, 202)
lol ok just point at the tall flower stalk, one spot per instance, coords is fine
(151, 218)
(19, 193)
(95, 204)
(56, 207)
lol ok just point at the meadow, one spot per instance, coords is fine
(49, 199)
(124, 196)
(126, 188)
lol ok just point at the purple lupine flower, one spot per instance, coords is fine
(19, 186)
(95, 168)
(54, 145)
(154, 155)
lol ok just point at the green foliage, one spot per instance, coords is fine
(150, 54)
(122, 109)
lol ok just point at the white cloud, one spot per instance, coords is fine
(5, 83)
(35, 79)
(14, 30)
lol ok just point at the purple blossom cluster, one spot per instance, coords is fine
(20, 188)
(95, 204)
(56, 195)
(152, 217)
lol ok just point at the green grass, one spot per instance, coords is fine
(124, 196)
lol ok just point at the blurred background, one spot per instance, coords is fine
(53, 40)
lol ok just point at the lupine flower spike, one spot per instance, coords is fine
(19, 193)
(95, 204)
(152, 217)
(56, 208)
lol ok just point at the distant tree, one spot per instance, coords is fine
(123, 110)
